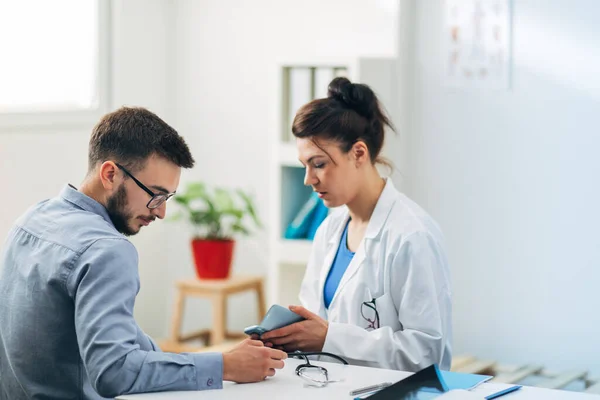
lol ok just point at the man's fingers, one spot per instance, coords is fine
(276, 364)
(271, 372)
(277, 354)
(256, 343)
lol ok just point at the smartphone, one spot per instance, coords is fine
(277, 317)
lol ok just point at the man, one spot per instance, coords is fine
(69, 277)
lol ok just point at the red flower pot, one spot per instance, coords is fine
(212, 258)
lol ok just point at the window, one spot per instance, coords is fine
(53, 59)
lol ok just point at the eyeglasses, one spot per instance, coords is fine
(368, 310)
(157, 199)
(314, 375)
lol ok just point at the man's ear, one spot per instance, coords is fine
(360, 153)
(108, 175)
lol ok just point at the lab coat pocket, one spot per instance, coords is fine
(388, 314)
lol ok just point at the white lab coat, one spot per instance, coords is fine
(401, 263)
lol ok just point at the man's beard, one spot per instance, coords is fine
(116, 207)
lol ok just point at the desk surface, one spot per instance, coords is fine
(285, 384)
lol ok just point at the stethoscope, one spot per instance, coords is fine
(307, 364)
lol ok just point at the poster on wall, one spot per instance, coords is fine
(477, 37)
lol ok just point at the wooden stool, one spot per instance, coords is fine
(217, 291)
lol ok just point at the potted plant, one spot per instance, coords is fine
(217, 216)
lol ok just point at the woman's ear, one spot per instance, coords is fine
(360, 153)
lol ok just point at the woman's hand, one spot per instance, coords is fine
(307, 335)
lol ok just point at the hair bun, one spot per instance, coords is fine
(356, 96)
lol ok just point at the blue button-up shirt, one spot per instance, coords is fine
(68, 282)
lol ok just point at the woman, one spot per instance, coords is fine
(376, 289)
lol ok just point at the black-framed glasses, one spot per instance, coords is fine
(368, 310)
(156, 199)
(314, 375)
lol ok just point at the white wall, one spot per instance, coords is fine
(36, 163)
(509, 175)
(225, 89)
(205, 67)
(512, 177)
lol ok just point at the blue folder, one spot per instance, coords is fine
(457, 380)
(298, 228)
(309, 218)
(318, 216)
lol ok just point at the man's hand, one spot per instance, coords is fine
(251, 361)
(307, 335)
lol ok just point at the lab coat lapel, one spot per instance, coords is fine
(380, 214)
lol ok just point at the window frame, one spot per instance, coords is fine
(11, 121)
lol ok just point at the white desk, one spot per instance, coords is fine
(285, 384)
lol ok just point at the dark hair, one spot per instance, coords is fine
(350, 113)
(129, 135)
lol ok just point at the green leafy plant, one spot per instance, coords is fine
(217, 213)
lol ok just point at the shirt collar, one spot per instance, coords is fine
(74, 196)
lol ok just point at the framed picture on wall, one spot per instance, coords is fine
(477, 37)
